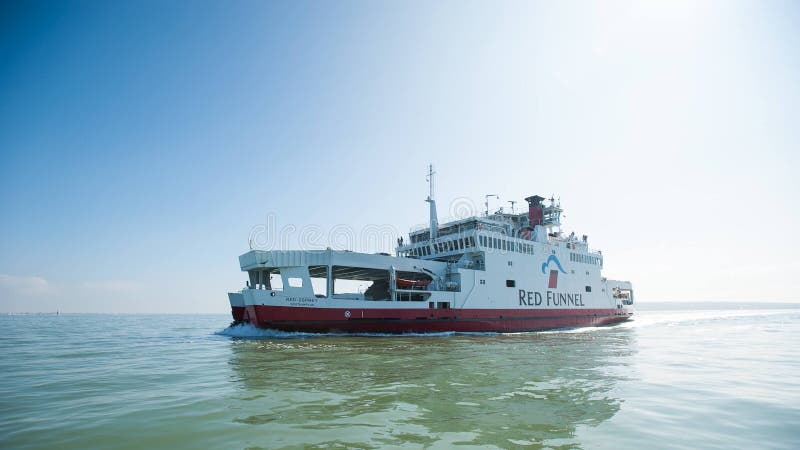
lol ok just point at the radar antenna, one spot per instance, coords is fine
(487, 202)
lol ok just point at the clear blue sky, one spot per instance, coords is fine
(142, 141)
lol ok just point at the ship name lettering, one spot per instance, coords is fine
(295, 301)
(531, 298)
(564, 299)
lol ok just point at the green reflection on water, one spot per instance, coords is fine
(367, 392)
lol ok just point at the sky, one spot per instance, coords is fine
(144, 145)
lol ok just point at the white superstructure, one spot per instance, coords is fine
(500, 271)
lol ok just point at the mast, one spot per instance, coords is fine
(434, 221)
(487, 201)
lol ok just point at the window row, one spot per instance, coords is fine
(505, 245)
(442, 247)
(582, 258)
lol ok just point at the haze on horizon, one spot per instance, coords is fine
(144, 143)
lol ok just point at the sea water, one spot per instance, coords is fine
(677, 376)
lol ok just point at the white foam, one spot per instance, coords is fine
(248, 331)
(668, 318)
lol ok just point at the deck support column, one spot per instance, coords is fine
(330, 281)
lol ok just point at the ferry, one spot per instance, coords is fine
(493, 272)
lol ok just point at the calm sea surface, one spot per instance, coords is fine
(725, 377)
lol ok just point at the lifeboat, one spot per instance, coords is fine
(411, 284)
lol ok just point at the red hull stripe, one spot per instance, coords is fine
(427, 320)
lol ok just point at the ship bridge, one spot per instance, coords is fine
(463, 242)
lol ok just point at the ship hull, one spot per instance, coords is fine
(395, 321)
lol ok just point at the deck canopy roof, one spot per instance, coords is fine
(346, 265)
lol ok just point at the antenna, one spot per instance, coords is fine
(512, 205)
(429, 179)
(487, 202)
(434, 221)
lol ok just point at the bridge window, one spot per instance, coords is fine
(275, 280)
(588, 289)
(511, 283)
